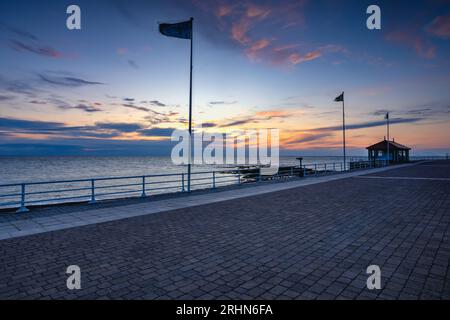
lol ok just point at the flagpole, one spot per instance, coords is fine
(190, 110)
(343, 128)
(387, 116)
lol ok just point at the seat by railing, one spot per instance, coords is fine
(21, 195)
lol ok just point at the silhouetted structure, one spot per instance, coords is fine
(397, 151)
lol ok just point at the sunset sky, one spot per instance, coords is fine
(118, 87)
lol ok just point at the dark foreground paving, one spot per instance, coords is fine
(304, 243)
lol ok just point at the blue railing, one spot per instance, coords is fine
(21, 195)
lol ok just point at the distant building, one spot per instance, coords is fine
(397, 151)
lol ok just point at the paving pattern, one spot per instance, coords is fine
(311, 242)
(57, 217)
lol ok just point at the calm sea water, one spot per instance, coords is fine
(46, 169)
(32, 169)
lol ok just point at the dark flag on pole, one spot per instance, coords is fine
(182, 30)
(340, 98)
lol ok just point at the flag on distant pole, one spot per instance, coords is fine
(183, 30)
(339, 99)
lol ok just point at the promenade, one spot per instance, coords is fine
(312, 238)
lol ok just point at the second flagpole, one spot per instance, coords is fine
(190, 110)
(343, 129)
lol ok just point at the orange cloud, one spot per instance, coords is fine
(223, 10)
(254, 11)
(256, 119)
(239, 31)
(285, 47)
(267, 115)
(256, 47)
(297, 58)
(245, 19)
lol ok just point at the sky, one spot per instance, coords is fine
(118, 87)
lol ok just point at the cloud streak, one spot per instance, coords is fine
(6, 98)
(103, 130)
(310, 138)
(222, 102)
(369, 124)
(133, 64)
(67, 81)
(39, 50)
(82, 107)
(258, 117)
(157, 103)
(132, 106)
(19, 32)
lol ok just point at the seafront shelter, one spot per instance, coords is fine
(397, 151)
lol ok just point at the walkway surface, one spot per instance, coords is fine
(52, 218)
(286, 241)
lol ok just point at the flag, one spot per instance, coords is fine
(340, 98)
(182, 30)
(386, 117)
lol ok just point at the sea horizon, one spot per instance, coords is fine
(17, 169)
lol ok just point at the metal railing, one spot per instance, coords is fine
(21, 195)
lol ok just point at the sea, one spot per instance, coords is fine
(40, 169)
(62, 171)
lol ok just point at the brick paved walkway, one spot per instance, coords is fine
(51, 218)
(304, 243)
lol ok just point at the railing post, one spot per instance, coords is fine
(315, 169)
(334, 166)
(182, 183)
(325, 168)
(214, 179)
(292, 171)
(92, 192)
(260, 176)
(305, 172)
(22, 208)
(239, 177)
(143, 195)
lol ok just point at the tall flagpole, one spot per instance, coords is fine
(387, 118)
(190, 111)
(343, 128)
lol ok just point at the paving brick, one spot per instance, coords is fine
(302, 243)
